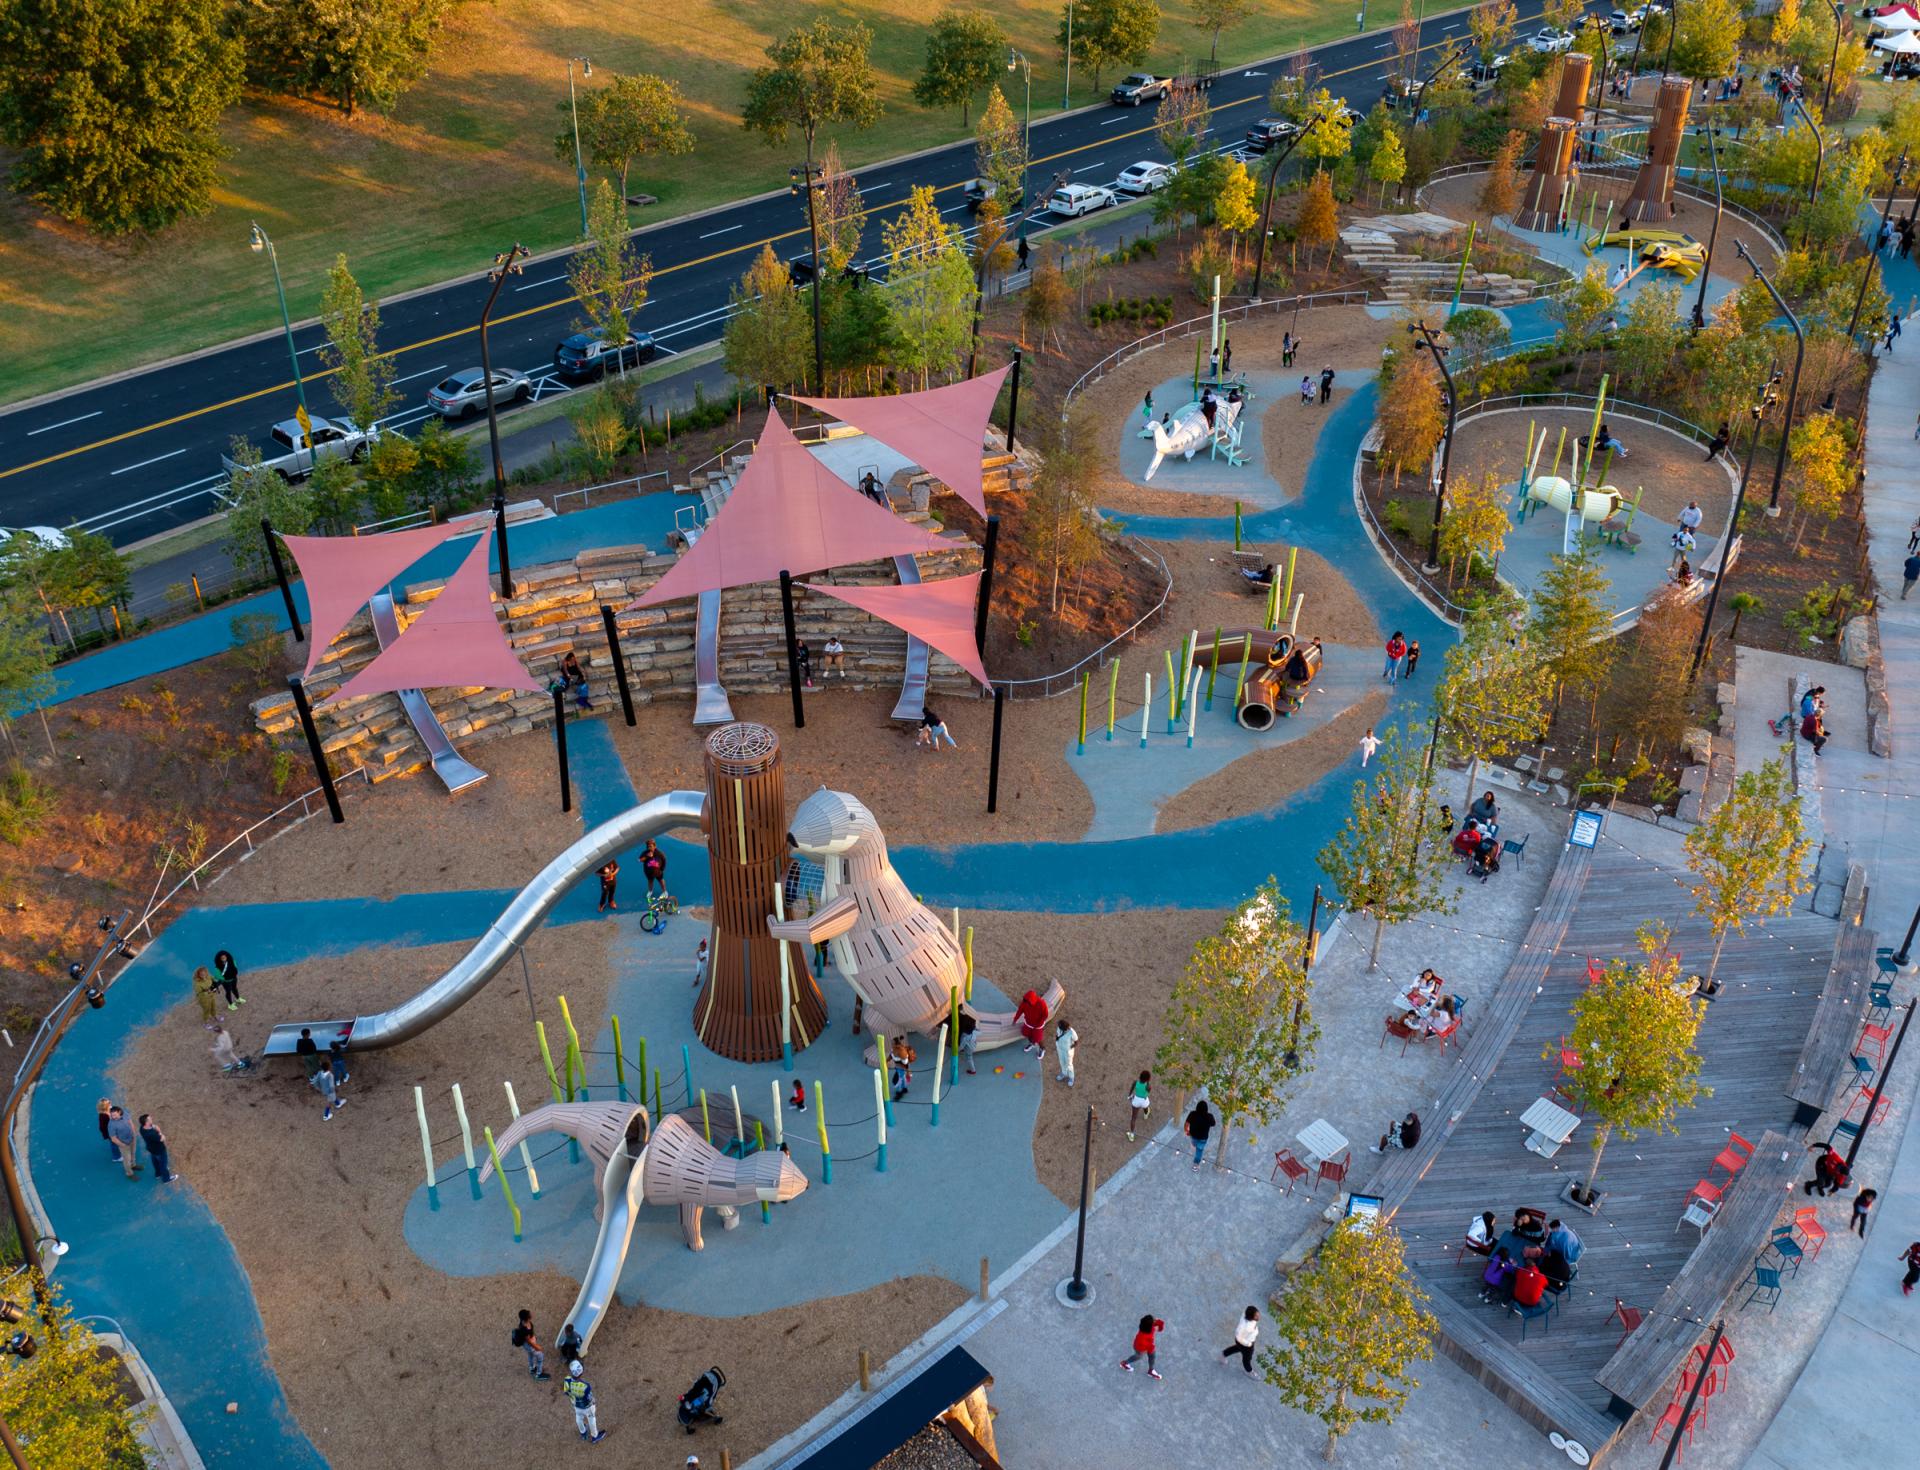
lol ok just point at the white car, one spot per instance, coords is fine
(20, 540)
(1626, 22)
(1070, 200)
(1550, 42)
(1144, 178)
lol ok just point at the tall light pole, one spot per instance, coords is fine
(1873, 258)
(579, 168)
(1719, 205)
(806, 178)
(1266, 213)
(262, 243)
(1066, 87)
(1759, 411)
(1833, 61)
(1425, 334)
(1019, 59)
(1793, 388)
(506, 263)
(1599, 29)
(1673, 29)
(1819, 158)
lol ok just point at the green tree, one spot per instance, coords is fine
(1707, 41)
(1491, 24)
(1110, 33)
(1215, 16)
(1388, 165)
(857, 335)
(1564, 15)
(1572, 624)
(114, 107)
(258, 493)
(1411, 414)
(633, 117)
(1348, 1330)
(818, 75)
(1476, 335)
(1647, 695)
(1633, 1030)
(929, 290)
(1062, 523)
(609, 280)
(599, 419)
(767, 338)
(1181, 120)
(1235, 207)
(351, 52)
(85, 575)
(1333, 138)
(1385, 860)
(66, 1403)
(1650, 339)
(1475, 524)
(1749, 857)
(26, 661)
(965, 51)
(1048, 299)
(1724, 364)
(1579, 312)
(362, 378)
(1000, 149)
(1239, 1023)
(1494, 697)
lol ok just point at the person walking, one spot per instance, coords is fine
(156, 1143)
(120, 1132)
(609, 885)
(1246, 1333)
(1893, 332)
(1199, 1127)
(1862, 1202)
(1138, 1104)
(1396, 650)
(323, 1083)
(1691, 517)
(227, 973)
(653, 866)
(226, 1054)
(1286, 349)
(1369, 743)
(969, 1039)
(1909, 573)
(586, 1413)
(1910, 1257)
(105, 1110)
(1326, 385)
(1065, 1040)
(1144, 1340)
(527, 1339)
(204, 989)
(1024, 252)
(1413, 659)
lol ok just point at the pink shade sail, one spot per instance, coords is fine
(942, 430)
(342, 572)
(939, 614)
(456, 643)
(788, 512)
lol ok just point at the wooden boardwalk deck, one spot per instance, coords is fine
(1750, 1041)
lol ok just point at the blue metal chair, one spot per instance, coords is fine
(1765, 1280)
(1880, 1001)
(1786, 1247)
(1863, 1069)
(1845, 1131)
(1518, 849)
(1883, 958)
(1543, 1312)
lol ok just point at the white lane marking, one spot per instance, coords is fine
(713, 234)
(427, 374)
(953, 209)
(549, 281)
(1091, 167)
(200, 484)
(49, 428)
(124, 469)
(1112, 120)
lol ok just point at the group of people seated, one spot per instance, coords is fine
(1480, 846)
(1535, 1256)
(1433, 1008)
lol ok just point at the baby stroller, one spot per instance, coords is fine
(1486, 859)
(696, 1404)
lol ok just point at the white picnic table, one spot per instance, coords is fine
(1322, 1140)
(1552, 1126)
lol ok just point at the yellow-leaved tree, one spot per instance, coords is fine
(1749, 857)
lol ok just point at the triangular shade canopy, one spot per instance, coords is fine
(456, 642)
(342, 572)
(939, 614)
(941, 430)
(788, 512)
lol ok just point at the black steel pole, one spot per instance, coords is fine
(1826, 102)
(560, 745)
(1793, 386)
(1819, 159)
(1013, 402)
(1713, 235)
(1700, 1378)
(1446, 450)
(1673, 29)
(1873, 259)
(13, 1445)
(1733, 530)
(619, 662)
(280, 576)
(500, 543)
(1902, 956)
(1266, 212)
(1077, 1288)
(813, 235)
(993, 763)
(320, 769)
(793, 649)
(503, 266)
(1880, 1083)
(1292, 1056)
(986, 585)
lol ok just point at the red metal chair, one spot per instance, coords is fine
(1447, 1033)
(1865, 1096)
(1733, 1156)
(1629, 1319)
(1569, 1062)
(1596, 970)
(1813, 1234)
(1394, 1026)
(1708, 1192)
(1295, 1170)
(1723, 1355)
(1670, 1420)
(1877, 1038)
(1329, 1170)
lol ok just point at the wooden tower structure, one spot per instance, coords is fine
(1652, 196)
(1556, 163)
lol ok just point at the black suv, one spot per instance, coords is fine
(800, 271)
(588, 355)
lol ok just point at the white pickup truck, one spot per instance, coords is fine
(332, 439)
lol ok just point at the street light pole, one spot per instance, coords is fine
(1719, 205)
(1066, 87)
(1425, 334)
(1759, 412)
(1819, 159)
(1077, 1288)
(1019, 58)
(1873, 258)
(506, 263)
(1833, 61)
(262, 243)
(1879, 1084)
(579, 168)
(807, 177)
(1266, 213)
(1793, 387)
(1673, 29)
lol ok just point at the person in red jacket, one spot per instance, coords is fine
(1032, 1019)
(1143, 1340)
(1529, 1285)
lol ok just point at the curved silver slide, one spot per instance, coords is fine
(913, 688)
(710, 704)
(622, 1189)
(448, 764)
(516, 924)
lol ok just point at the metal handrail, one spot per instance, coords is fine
(1622, 407)
(1014, 687)
(586, 490)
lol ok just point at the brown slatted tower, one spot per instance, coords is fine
(737, 1013)
(1556, 161)
(1652, 196)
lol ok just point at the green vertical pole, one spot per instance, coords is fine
(1113, 690)
(1085, 680)
(1460, 281)
(620, 1062)
(1246, 653)
(953, 1030)
(969, 964)
(657, 1108)
(1236, 525)
(1269, 617)
(506, 1189)
(575, 1061)
(643, 1069)
(1214, 671)
(546, 1057)
(826, 1148)
(1286, 597)
(884, 1073)
(760, 1137)
(706, 1118)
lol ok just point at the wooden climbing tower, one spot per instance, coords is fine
(740, 1011)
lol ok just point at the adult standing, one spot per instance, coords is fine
(1326, 385)
(653, 863)
(527, 1339)
(1031, 1017)
(1245, 1334)
(586, 1413)
(120, 1133)
(105, 1110)
(1199, 1128)
(156, 1143)
(227, 973)
(1226, 355)
(1065, 1041)
(609, 885)
(1691, 516)
(204, 987)
(1396, 650)
(1287, 344)
(1138, 1104)
(1862, 1202)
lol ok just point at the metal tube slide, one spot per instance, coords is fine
(516, 924)
(621, 1194)
(912, 704)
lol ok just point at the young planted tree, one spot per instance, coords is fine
(840, 213)
(1749, 857)
(1110, 33)
(1571, 626)
(1723, 364)
(1491, 24)
(1235, 204)
(1633, 1030)
(256, 492)
(1822, 460)
(637, 116)
(1580, 311)
(820, 74)
(26, 660)
(1476, 523)
(965, 51)
(1405, 41)
(599, 419)
(67, 1402)
(1348, 1330)
(609, 279)
(1383, 860)
(929, 290)
(1563, 15)
(1500, 194)
(1388, 165)
(114, 107)
(1000, 150)
(1049, 297)
(1181, 120)
(1319, 220)
(1215, 16)
(1647, 697)
(1495, 695)
(85, 575)
(1332, 140)
(1239, 1022)
(1650, 339)
(1476, 334)
(362, 377)
(857, 334)
(1412, 415)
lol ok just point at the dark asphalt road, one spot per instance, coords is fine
(134, 456)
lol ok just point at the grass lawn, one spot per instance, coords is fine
(466, 166)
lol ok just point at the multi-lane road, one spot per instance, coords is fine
(137, 453)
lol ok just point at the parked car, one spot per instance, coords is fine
(1626, 22)
(1070, 200)
(979, 191)
(1144, 177)
(465, 393)
(332, 439)
(1486, 73)
(800, 271)
(1131, 91)
(588, 355)
(18, 540)
(1549, 41)
(1270, 130)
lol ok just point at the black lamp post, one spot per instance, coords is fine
(1425, 334)
(1599, 29)
(1873, 259)
(1699, 1379)
(1793, 387)
(807, 177)
(1673, 29)
(1266, 213)
(1077, 1289)
(506, 263)
(1713, 235)
(1901, 956)
(1759, 412)
(1819, 159)
(1879, 1083)
(1833, 61)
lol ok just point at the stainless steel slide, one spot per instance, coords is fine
(710, 706)
(516, 924)
(621, 1195)
(448, 764)
(913, 688)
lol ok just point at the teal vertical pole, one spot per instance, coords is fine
(826, 1148)
(686, 1068)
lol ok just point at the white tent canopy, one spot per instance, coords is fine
(1899, 20)
(1904, 44)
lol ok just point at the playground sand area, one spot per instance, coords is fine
(1672, 470)
(387, 1361)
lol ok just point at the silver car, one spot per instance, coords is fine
(332, 439)
(465, 392)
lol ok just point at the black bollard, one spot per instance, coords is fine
(619, 662)
(299, 688)
(560, 744)
(500, 540)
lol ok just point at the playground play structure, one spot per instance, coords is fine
(1191, 428)
(1277, 671)
(1549, 200)
(1600, 505)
